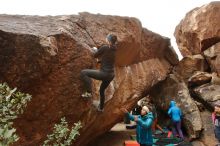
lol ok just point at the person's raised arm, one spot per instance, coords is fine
(130, 116)
(145, 124)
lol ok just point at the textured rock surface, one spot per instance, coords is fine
(208, 93)
(212, 54)
(199, 78)
(174, 88)
(215, 79)
(43, 56)
(189, 65)
(198, 34)
(197, 143)
(199, 29)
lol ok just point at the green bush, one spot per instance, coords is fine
(12, 103)
(62, 135)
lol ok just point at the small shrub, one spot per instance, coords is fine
(62, 135)
(12, 103)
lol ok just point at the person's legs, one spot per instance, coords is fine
(178, 124)
(86, 76)
(153, 127)
(161, 129)
(174, 129)
(103, 86)
(106, 78)
(217, 132)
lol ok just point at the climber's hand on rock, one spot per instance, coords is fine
(94, 49)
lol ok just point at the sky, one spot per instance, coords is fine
(160, 16)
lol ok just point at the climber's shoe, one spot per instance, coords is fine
(99, 109)
(95, 103)
(86, 95)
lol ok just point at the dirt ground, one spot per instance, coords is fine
(115, 137)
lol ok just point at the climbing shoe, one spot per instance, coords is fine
(99, 109)
(95, 103)
(86, 95)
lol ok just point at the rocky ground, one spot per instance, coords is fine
(115, 137)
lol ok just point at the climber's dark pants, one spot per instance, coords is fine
(145, 145)
(105, 77)
(177, 129)
(217, 132)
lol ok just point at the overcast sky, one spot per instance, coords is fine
(160, 16)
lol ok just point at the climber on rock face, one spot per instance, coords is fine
(106, 54)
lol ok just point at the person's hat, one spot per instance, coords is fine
(145, 108)
(112, 38)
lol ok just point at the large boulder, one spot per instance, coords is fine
(208, 93)
(43, 56)
(174, 88)
(199, 29)
(190, 65)
(215, 79)
(199, 78)
(197, 143)
(212, 54)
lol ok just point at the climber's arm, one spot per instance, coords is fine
(145, 124)
(99, 52)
